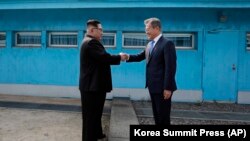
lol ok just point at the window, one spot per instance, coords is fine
(134, 40)
(181, 40)
(248, 41)
(28, 39)
(109, 39)
(2, 39)
(139, 40)
(63, 39)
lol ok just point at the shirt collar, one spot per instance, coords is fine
(157, 38)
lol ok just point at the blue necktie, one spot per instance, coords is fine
(151, 47)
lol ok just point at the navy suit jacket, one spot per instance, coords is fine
(161, 66)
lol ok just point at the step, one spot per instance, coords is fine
(122, 116)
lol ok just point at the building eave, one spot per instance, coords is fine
(86, 5)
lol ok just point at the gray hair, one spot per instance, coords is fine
(155, 22)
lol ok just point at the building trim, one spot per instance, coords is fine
(122, 4)
(73, 92)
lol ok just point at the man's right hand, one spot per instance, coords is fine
(124, 56)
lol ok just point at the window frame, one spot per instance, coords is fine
(133, 47)
(62, 33)
(169, 34)
(28, 33)
(4, 44)
(248, 40)
(110, 33)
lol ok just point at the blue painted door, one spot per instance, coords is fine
(220, 66)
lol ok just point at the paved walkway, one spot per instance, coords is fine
(26, 118)
(122, 115)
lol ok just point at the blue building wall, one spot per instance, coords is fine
(60, 66)
(51, 64)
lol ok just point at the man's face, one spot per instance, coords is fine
(97, 31)
(151, 32)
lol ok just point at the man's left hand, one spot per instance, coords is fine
(167, 94)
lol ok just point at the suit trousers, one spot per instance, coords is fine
(161, 108)
(92, 109)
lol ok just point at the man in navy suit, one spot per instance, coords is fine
(160, 55)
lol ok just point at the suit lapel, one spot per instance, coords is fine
(156, 48)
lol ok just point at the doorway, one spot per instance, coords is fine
(220, 66)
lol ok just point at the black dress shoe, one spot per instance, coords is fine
(101, 136)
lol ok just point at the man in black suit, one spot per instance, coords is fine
(160, 55)
(95, 80)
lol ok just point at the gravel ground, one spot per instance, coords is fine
(213, 106)
(205, 106)
(175, 121)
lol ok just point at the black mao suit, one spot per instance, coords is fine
(95, 81)
(160, 76)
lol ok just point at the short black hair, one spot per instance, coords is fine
(93, 23)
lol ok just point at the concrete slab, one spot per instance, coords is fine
(29, 118)
(39, 125)
(243, 97)
(42, 125)
(122, 116)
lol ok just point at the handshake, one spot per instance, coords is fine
(124, 56)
